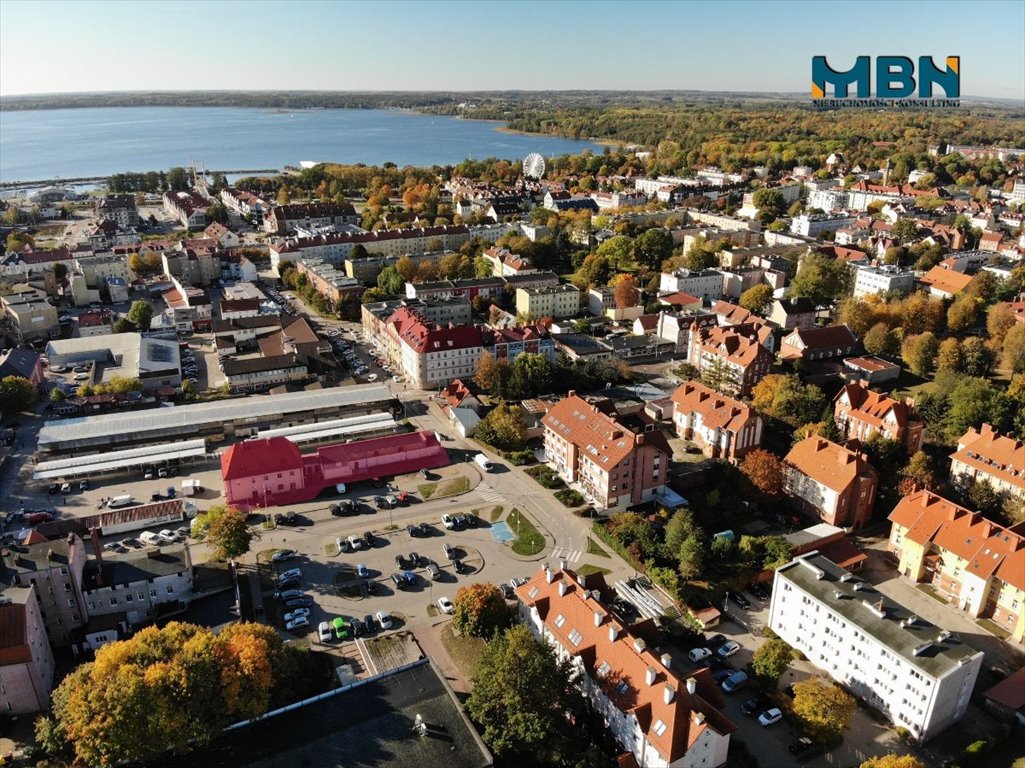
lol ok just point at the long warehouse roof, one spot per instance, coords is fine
(183, 416)
(103, 462)
(367, 421)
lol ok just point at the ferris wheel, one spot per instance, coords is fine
(533, 166)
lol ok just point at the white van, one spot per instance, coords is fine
(121, 501)
(483, 461)
(148, 537)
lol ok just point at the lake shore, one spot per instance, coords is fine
(614, 143)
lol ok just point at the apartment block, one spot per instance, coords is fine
(26, 660)
(985, 454)
(861, 414)
(723, 427)
(835, 483)
(556, 302)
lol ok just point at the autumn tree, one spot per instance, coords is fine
(504, 428)
(964, 312)
(757, 299)
(406, 268)
(893, 761)
(141, 313)
(822, 707)
(625, 292)
(977, 357)
(949, 357)
(918, 474)
(904, 231)
(491, 374)
(772, 659)
(1014, 349)
(784, 397)
(225, 529)
(480, 611)
(999, 320)
(765, 471)
(919, 352)
(17, 394)
(881, 340)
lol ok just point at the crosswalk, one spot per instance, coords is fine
(569, 555)
(489, 494)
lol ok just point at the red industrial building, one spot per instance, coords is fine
(272, 472)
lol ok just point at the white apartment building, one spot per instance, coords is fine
(828, 199)
(140, 584)
(815, 225)
(707, 284)
(870, 280)
(556, 301)
(985, 454)
(918, 675)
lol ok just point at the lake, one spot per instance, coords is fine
(78, 143)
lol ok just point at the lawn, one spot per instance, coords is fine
(529, 540)
(427, 489)
(594, 549)
(587, 570)
(439, 490)
(464, 650)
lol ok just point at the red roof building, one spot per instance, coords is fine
(272, 472)
(861, 414)
(830, 342)
(835, 483)
(721, 426)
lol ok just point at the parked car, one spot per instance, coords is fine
(382, 502)
(426, 475)
(720, 675)
(425, 529)
(728, 649)
(460, 522)
(450, 551)
(740, 600)
(355, 542)
(460, 566)
(398, 581)
(301, 623)
(384, 620)
(290, 582)
(413, 531)
(506, 591)
(715, 641)
(698, 654)
(369, 539)
(53, 489)
(362, 571)
(415, 560)
(369, 625)
(445, 605)
(801, 746)
(409, 578)
(289, 594)
(433, 571)
(289, 573)
(292, 615)
(400, 561)
(448, 521)
(735, 682)
(66, 488)
(759, 591)
(297, 602)
(770, 717)
(282, 555)
(472, 521)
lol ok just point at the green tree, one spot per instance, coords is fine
(679, 528)
(919, 473)
(480, 611)
(977, 357)
(390, 281)
(617, 251)
(532, 374)
(521, 693)
(217, 212)
(178, 179)
(757, 299)
(981, 495)
(17, 394)
(919, 352)
(653, 247)
(820, 278)
(56, 395)
(823, 708)
(784, 397)
(16, 241)
(718, 375)
(482, 267)
(772, 659)
(972, 403)
(225, 529)
(769, 203)
(503, 427)
(1014, 349)
(904, 231)
(597, 270)
(141, 313)
(880, 340)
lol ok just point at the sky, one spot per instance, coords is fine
(102, 45)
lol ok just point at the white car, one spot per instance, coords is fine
(697, 654)
(372, 377)
(726, 650)
(770, 716)
(355, 542)
(168, 537)
(324, 631)
(296, 614)
(448, 521)
(445, 605)
(298, 623)
(384, 620)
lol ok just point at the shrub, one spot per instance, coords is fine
(521, 458)
(546, 477)
(569, 497)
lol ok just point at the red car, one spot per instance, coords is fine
(34, 518)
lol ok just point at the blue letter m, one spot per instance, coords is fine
(822, 73)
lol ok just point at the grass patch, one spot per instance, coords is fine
(264, 555)
(931, 593)
(464, 650)
(269, 524)
(453, 487)
(496, 514)
(993, 628)
(332, 549)
(546, 477)
(427, 489)
(529, 540)
(594, 549)
(587, 570)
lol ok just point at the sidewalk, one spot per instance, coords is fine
(429, 638)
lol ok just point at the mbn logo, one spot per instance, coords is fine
(895, 77)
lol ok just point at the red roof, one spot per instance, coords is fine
(424, 339)
(14, 648)
(260, 457)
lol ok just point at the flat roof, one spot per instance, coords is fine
(857, 602)
(354, 425)
(185, 416)
(103, 462)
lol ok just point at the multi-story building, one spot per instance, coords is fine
(155, 362)
(674, 327)
(723, 427)
(284, 218)
(225, 237)
(556, 302)
(985, 454)
(54, 569)
(432, 356)
(613, 466)
(788, 314)
(835, 483)
(120, 209)
(329, 281)
(601, 301)
(260, 373)
(738, 359)
(509, 343)
(623, 199)
(26, 660)
(974, 564)
(245, 203)
(861, 414)
(505, 263)
(141, 585)
(945, 283)
(707, 284)
(919, 676)
(485, 287)
(660, 718)
(25, 363)
(188, 207)
(813, 225)
(871, 280)
(29, 316)
(825, 343)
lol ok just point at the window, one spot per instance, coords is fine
(129, 598)
(575, 637)
(603, 669)
(623, 687)
(560, 620)
(170, 589)
(113, 601)
(152, 593)
(659, 728)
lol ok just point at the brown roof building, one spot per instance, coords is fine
(738, 358)
(985, 454)
(833, 341)
(975, 564)
(861, 414)
(26, 661)
(944, 283)
(836, 483)
(721, 426)
(656, 715)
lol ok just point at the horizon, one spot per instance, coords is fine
(476, 47)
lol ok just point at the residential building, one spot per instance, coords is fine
(919, 676)
(120, 209)
(26, 660)
(188, 207)
(945, 283)
(622, 199)
(681, 301)
(29, 316)
(511, 342)
(871, 369)
(225, 237)
(706, 284)
(737, 359)
(974, 564)
(98, 323)
(284, 218)
(246, 204)
(789, 314)
(825, 343)
(985, 454)
(579, 346)
(232, 309)
(260, 373)
(835, 483)
(814, 225)
(612, 466)
(330, 282)
(139, 586)
(26, 363)
(861, 414)
(659, 717)
(555, 302)
(432, 356)
(190, 308)
(871, 280)
(485, 287)
(54, 570)
(721, 426)
(504, 262)
(737, 279)
(602, 302)
(675, 327)
(530, 280)
(647, 345)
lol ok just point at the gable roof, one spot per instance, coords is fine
(424, 338)
(829, 337)
(605, 441)
(717, 411)
(828, 464)
(729, 343)
(18, 362)
(260, 457)
(873, 407)
(946, 280)
(994, 454)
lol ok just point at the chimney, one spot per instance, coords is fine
(549, 575)
(668, 692)
(650, 675)
(94, 535)
(563, 565)
(692, 686)
(639, 645)
(571, 393)
(562, 589)
(699, 717)
(598, 617)
(613, 633)
(667, 661)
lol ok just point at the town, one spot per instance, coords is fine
(708, 467)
